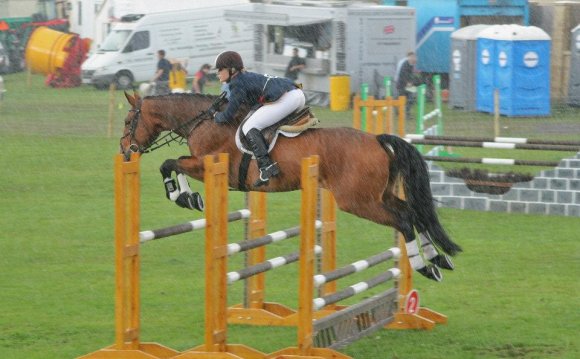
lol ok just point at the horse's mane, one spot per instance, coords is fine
(192, 97)
(178, 95)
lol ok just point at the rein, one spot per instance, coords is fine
(172, 135)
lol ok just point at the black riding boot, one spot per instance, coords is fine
(260, 148)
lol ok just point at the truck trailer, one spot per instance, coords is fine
(361, 40)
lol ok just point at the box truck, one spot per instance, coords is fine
(194, 37)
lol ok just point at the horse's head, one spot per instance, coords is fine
(137, 134)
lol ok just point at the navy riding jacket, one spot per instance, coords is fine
(252, 89)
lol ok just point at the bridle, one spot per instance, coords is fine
(173, 135)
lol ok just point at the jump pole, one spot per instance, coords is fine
(127, 309)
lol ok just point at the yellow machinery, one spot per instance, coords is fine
(58, 55)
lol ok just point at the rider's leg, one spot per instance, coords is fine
(260, 148)
(266, 116)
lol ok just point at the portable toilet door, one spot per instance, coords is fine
(574, 84)
(485, 69)
(523, 71)
(462, 67)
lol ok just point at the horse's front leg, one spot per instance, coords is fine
(179, 192)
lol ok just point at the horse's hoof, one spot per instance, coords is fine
(443, 261)
(190, 201)
(431, 272)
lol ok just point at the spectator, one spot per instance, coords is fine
(405, 80)
(161, 77)
(177, 77)
(200, 78)
(295, 65)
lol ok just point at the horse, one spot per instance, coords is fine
(360, 169)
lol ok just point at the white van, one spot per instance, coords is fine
(195, 37)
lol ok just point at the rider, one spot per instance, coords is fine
(276, 97)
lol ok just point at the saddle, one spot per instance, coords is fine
(290, 126)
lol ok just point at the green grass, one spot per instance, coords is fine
(515, 292)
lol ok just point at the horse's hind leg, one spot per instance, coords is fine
(404, 222)
(395, 213)
(181, 192)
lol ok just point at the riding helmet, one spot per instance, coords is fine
(228, 60)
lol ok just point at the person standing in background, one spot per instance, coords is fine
(405, 80)
(161, 77)
(200, 78)
(295, 65)
(177, 78)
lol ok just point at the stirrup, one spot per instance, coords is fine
(266, 173)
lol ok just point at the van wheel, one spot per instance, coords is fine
(124, 80)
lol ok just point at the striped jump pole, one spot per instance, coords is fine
(266, 266)
(494, 145)
(274, 237)
(355, 267)
(145, 236)
(493, 161)
(493, 139)
(355, 289)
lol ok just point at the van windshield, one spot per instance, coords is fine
(115, 40)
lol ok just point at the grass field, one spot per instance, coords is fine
(515, 292)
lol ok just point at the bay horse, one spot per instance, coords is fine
(360, 169)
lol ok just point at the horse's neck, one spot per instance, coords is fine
(211, 138)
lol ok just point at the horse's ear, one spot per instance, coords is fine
(130, 98)
(136, 95)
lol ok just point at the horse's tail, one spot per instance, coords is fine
(409, 164)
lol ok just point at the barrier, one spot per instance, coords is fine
(378, 115)
(495, 143)
(361, 319)
(553, 192)
(127, 239)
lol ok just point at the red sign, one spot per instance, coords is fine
(412, 302)
(389, 29)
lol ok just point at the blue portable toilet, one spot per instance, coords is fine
(462, 69)
(515, 60)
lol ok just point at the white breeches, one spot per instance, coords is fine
(271, 113)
